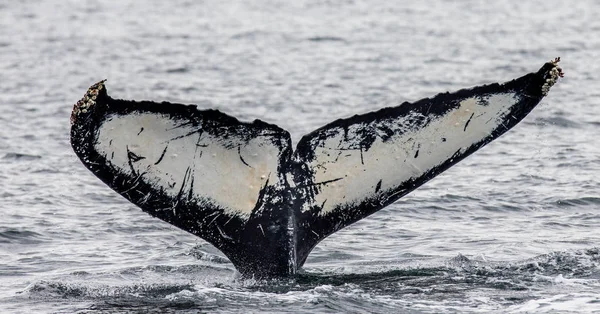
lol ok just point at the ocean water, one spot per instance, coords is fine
(515, 228)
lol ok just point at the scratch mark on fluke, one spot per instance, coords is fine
(241, 158)
(467, 124)
(162, 155)
(378, 187)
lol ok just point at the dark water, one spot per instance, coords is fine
(514, 228)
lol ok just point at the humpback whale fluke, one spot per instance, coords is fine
(242, 187)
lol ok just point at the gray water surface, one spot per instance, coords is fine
(513, 228)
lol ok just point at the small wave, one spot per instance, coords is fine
(19, 236)
(57, 289)
(198, 253)
(461, 270)
(594, 123)
(251, 34)
(581, 201)
(565, 302)
(20, 156)
(572, 263)
(325, 39)
(342, 299)
(178, 70)
(187, 270)
(557, 121)
(459, 260)
(210, 257)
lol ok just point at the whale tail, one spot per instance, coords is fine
(242, 187)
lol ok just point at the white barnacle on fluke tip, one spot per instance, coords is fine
(88, 100)
(241, 185)
(553, 76)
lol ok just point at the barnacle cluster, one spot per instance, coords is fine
(88, 100)
(552, 76)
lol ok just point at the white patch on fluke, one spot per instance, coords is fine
(226, 171)
(385, 166)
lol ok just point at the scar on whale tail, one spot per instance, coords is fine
(242, 187)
